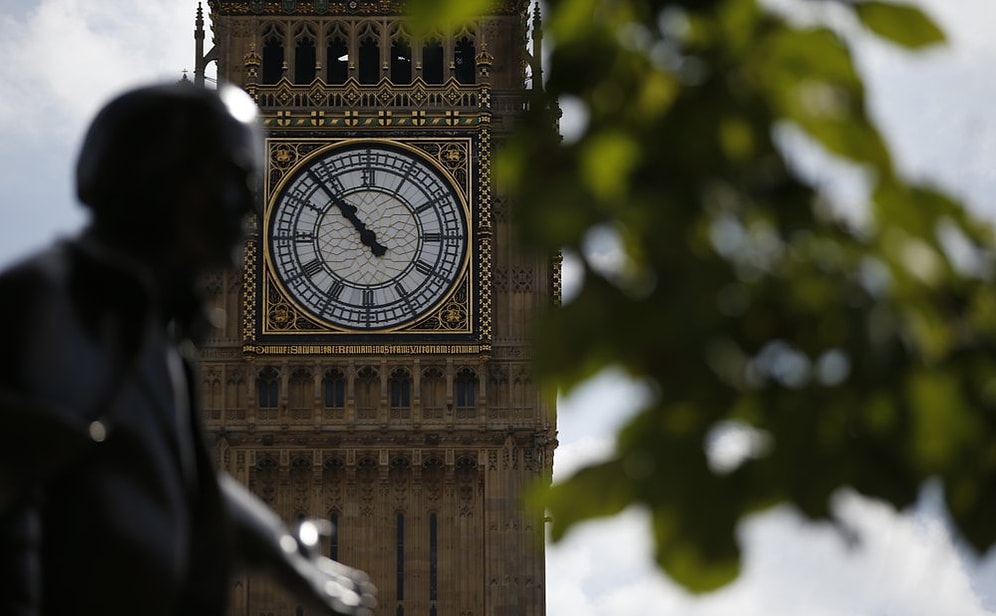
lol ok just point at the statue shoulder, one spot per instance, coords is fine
(64, 326)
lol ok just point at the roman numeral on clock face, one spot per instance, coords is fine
(439, 237)
(423, 267)
(336, 289)
(312, 267)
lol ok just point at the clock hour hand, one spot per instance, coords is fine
(367, 236)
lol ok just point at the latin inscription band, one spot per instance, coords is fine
(363, 349)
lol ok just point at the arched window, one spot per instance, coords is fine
(401, 62)
(334, 471)
(369, 61)
(334, 539)
(334, 389)
(337, 61)
(366, 470)
(235, 392)
(263, 478)
(367, 393)
(212, 391)
(498, 391)
(433, 392)
(301, 389)
(305, 58)
(273, 55)
(432, 62)
(400, 388)
(300, 474)
(465, 390)
(521, 392)
(433, 471)
(464, 62)
(268, 388)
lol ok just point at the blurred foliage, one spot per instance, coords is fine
(856, 354)
(428, 16)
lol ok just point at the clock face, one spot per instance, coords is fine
(368, 236)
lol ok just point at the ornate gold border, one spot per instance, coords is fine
(278, 316)
(337, 7)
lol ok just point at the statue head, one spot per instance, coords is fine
(173, 168)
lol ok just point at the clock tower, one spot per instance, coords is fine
(374, 366)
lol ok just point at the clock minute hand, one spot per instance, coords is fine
(367, 236)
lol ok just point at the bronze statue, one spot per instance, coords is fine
(109, 503)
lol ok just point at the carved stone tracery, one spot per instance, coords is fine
(360, 461)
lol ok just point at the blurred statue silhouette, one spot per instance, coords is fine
(109, 503)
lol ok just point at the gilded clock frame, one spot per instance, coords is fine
(274, 323)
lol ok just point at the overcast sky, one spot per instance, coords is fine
(60, 59)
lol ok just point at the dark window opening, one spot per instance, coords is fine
(401, 62)
(401, 389)
(273, 59)
(338, 62)
(268, 388)
(465, 385)
(334, 539)
(305, 58)
(369, 61)
(432, 62)
(334, 389)
(463, 61)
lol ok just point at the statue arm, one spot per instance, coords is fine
(263, 543)
(20, 551)
(35, 445)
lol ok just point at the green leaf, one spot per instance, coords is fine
(809, 78)
(593, 492)
(944, 425)
(685, 558)
(607, 161)
(900, 23)
(572, 21)
(677, 140)
(428, 15)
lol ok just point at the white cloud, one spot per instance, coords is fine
(604, 568)
(61, 60)
(902, 565)
(934, 106)
(600, 405)
(65, 57)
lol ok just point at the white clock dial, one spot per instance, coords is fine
(368, 236)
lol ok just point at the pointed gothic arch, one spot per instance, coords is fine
(464, 61)
(273, 54)
(305, 56)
